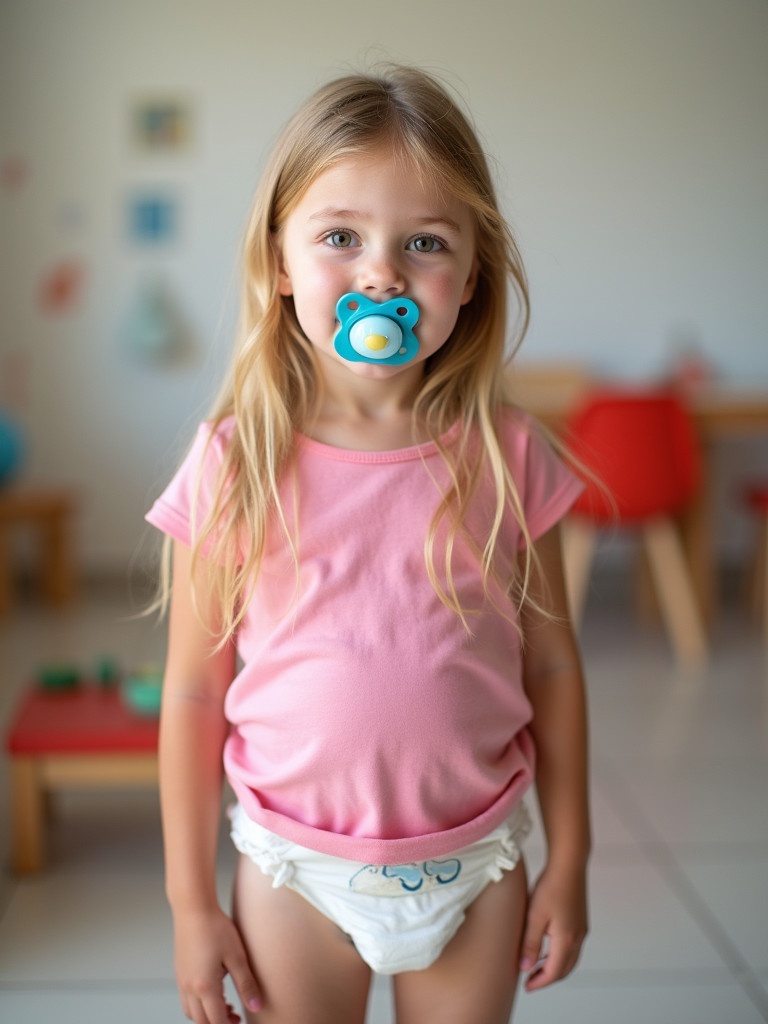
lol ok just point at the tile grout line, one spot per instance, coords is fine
(661, 854)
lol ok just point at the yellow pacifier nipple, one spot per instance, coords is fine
(376, 342)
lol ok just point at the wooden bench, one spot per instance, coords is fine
(48, 513)
(84, 738)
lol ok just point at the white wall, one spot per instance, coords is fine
(631, 139)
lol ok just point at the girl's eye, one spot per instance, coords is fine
(340, 239)
(425, 243)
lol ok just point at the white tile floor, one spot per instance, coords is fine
(679, 882)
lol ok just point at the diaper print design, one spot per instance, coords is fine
(402, 879)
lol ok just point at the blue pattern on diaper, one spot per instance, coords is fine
(401, 879)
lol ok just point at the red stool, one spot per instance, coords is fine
(85, 737)
(757, 501)
(641, 447)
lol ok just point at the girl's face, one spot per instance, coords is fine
(365, 225)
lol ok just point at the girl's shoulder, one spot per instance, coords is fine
(518, 429)
(191, 492)
(516, 437)
(209, 445)
(532, 452)
(217, 431)
(205, 455)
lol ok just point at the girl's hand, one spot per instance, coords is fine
(557, 910)
(208, 947)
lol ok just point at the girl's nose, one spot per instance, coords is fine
(382, 274)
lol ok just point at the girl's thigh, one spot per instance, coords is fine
(308, 970)
(475, 977)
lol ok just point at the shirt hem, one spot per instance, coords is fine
(367, 850)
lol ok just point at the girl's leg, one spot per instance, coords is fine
(307, 968)
(475, 977)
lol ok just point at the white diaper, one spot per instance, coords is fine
(400, 917)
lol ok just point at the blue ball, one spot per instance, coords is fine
(11, 449)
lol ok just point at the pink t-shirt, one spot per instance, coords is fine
(366, 722)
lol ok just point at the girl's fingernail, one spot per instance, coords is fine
(526, 964)
(254, 1004)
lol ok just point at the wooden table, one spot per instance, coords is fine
(720, 411)
(80, 738)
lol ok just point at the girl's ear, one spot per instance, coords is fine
(469, 287)
(283, 277)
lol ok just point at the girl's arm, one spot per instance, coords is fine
(192, 734)
(554, 684)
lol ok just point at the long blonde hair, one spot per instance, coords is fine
(273, 383)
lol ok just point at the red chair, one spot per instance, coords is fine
(757, 500)
(644, 454)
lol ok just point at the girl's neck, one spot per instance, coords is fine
(367, 415)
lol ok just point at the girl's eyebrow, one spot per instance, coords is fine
(335, 213)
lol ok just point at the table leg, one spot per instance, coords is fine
(6, 571)
(696, 528)
(28, 809)
(56, 570)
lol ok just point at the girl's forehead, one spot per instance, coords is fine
(380, 173)
(374, 159)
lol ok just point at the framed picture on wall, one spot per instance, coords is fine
(161, 124)
(153, 216)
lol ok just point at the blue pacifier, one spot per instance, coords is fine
(376, 332)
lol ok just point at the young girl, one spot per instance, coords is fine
(371, 529)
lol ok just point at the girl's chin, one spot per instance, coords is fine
(373, 371)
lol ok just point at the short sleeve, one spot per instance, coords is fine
(185, 503)
(548, 487)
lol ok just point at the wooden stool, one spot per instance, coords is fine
(80, 738)
(757, 501)
(49, 513)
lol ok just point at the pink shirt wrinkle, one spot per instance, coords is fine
(366, 722)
